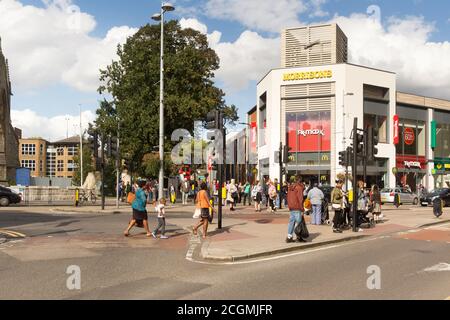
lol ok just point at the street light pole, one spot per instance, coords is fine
(344, 139)
(81, 150)
(165, 7)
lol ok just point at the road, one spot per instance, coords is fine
(411, 265)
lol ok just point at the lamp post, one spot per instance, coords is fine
(81, 150)
(165, 7)
(344, 139)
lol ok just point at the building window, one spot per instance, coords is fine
(41, 149)
(72, 151)
(443, 135)
(263, 120)
(60, 167)
(71, 166)
(28, 149)
(30, 164)
(60, 151)
(41, 167)
(51, 162)
(376, 116)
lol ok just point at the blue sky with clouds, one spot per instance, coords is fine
(249, 27)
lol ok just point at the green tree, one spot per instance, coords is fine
(87, 165)
(133, 83)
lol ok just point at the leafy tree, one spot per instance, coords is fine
(87, 165)
(133, 83)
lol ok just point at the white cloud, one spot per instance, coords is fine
(403, 46)
(263, 15)
(316, 8)
(52, 129)
(247, 59)
(53, 44)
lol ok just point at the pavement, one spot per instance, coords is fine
(248, 235)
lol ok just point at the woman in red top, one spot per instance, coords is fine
(204, 204)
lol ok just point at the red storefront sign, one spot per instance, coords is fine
(396, 130)
(309, 135)
(411, 162)
(409, 136)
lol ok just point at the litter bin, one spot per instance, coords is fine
(437, 206)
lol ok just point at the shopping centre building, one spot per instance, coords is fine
(310, 103)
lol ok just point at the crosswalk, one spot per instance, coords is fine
(11, 234)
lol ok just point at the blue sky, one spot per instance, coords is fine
(55, 97)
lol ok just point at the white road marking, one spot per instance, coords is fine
(286, 255)
(441, 267)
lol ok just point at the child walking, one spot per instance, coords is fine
(161, 211)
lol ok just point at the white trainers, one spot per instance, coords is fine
(154, 235)
(164, 237)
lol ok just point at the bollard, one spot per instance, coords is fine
(77, 197)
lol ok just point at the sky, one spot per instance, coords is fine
(56, 47)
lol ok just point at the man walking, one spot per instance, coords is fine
(185, 188)
(295, 204)
(316, 196)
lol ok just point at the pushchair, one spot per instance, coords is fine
(364, 220)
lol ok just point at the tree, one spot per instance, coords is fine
(133, 83)
(87, 165)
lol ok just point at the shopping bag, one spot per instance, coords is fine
(197, 213)
(131, 197)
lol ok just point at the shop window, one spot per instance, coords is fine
(376, 116)
(442, 149)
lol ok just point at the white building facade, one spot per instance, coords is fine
(310, 106)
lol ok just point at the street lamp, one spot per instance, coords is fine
(344, 139)
(165, 7)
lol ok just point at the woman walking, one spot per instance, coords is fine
(204, 204)
(232, 195)
(257, 194)
(272, 196)
(140, 216)
(375, 203)
(247, 193)
(337, 201)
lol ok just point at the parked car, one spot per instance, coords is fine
(8, 197)
(443, 193)
(406, 196)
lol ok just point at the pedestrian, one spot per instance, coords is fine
(295, 203)
(316, 196)
(232, 195)
(185, 188)
(161, 214)
(257, 194)
(266, 192)
(247, 193)
(284, 192)
(337, 202)
(204, 204)
(375, 203)
(362, 203)
(140, 216)
(278, 190)
(272, 196)
(173, 194)
(240, 192)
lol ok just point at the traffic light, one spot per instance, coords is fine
(286, 151)
(359, 148)
(213, 120)
(112, 145)
(372, 142)
(342, 158)
(93, 142)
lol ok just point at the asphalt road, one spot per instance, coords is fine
(140, 268)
